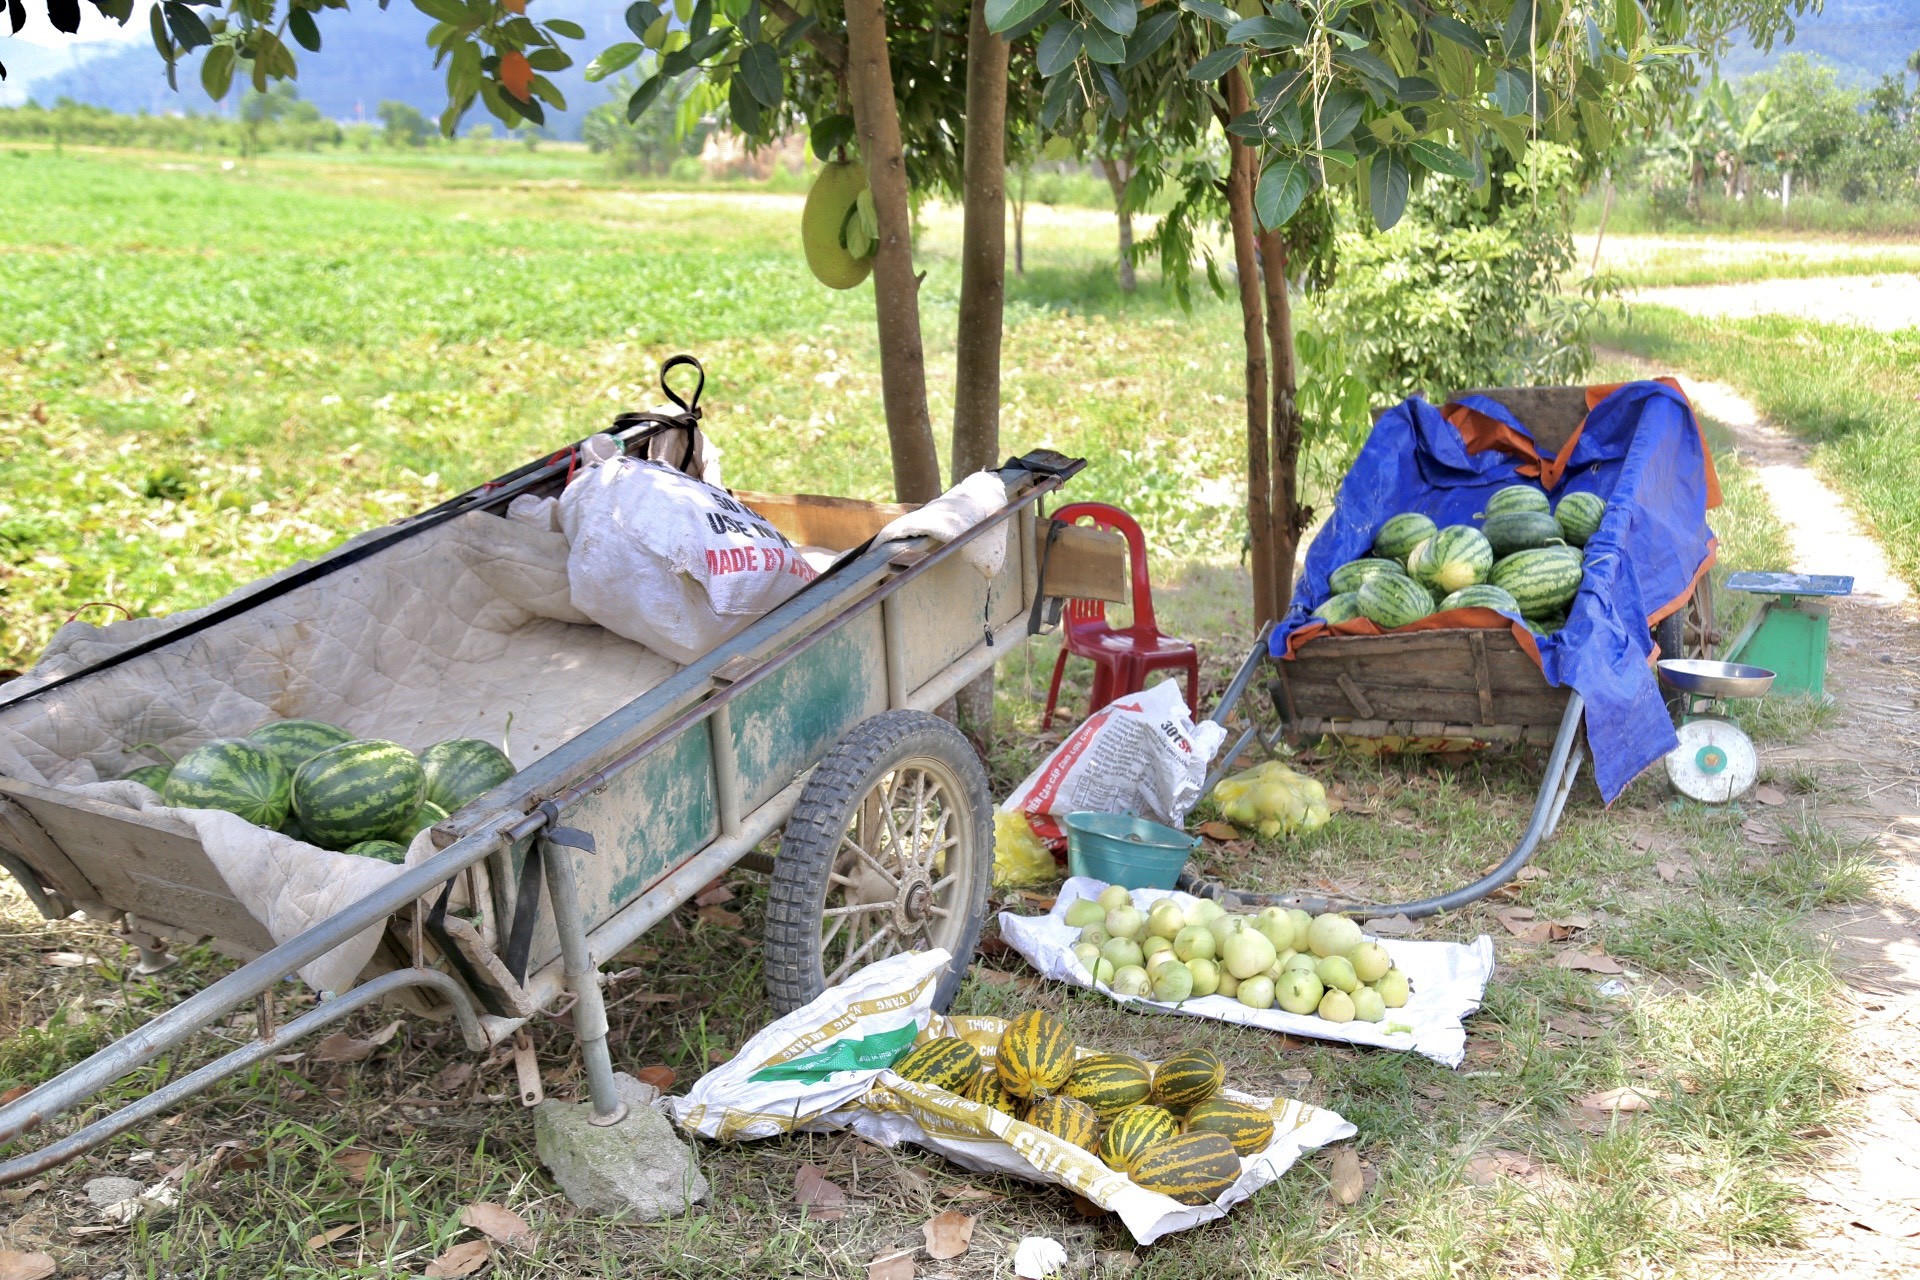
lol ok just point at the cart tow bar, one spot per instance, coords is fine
(1563, 765)
(576, 957)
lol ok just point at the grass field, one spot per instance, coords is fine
(209, 373)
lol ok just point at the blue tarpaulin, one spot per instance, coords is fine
(1641, 450)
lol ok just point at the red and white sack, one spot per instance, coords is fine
(1140, 754)
(667, 561)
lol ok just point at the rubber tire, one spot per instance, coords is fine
(796, 896)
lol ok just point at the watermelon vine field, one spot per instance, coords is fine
(208, 373)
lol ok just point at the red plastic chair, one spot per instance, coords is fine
(1123, 657)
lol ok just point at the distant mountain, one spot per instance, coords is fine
(1863, 39)
(367, 56)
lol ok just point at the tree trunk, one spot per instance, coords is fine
(1020, 227)
(1289, 518)
(983, 254)
(1241, 174)
(1117, 180)
(896, 293)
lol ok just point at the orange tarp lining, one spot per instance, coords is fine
(1474, 619)
(1481, 432)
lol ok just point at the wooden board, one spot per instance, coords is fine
(815, 520)
(1433, 678)
(1084, 563)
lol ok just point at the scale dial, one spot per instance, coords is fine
(1714, 763)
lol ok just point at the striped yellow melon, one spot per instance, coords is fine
(1109, 1083)
(1133, 1133)
(1248, 1128)
(1193, 1168)
(1066, 1118)
(1188, 1077)
(1035, 1056)
(989, 1090)
(945, 1062)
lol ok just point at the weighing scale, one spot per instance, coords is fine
(1715, 761)
(1788, 633)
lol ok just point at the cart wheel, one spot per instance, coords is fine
(890, 849)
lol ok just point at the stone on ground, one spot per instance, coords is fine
(638, 1168)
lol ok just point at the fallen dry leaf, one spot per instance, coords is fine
(823, 1199)
(354, 1162)
(463, 1259)
(721, 918)
(1670, 872)
(66, 959)
(1643, 842)
(1579, 1028)
(1625, 1098)
(497, 1222)
(1519, 922)
(892, 1266)
(1039, 901)
(21, 1193)
(14, 1094)
(1115, 1262)
(1760, 834)
(1483, 1170)
(341, 1047)
(1589, 961)
(327, 1237)
(1348, 1183)
(948, 1234)
(967, 1193)
(1219, 831)
(1769, 795)
(660, 1077)
(452, 1076)
(25, 1266)
(1392, 926)
(713, 895)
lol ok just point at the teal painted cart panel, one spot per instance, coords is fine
(784, 725)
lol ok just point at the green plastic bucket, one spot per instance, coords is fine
(1121, 849)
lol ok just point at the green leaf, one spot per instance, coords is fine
(1002, 14)
(797, 32)
(741, 103)
(1340, 155)
(1150, 35)
(831, 132)
(528, 111)
(549, 59)
(1117, 16)
(750, 21)
(614, 58)
(118, 10)
(1457, 31)
(1382, 81)
(187, 27)
(655, 36)
(1277, 196)
(1284, 87)
(1212, 10)
(1267, 33)
(1247, 125)
(1389, 180)
(1596, 43)
(1103, 46)
(1039, 18)
(571, 30)
(1425, 151)
(449, 11)
(760, 67)
(1217, 63)
(1417, 89)
(642, 97)
(642, 14)
(1339, 113)
(216, 73)
(1512, 92)
(304, 29)
(1519, 32)
(692, 55)
(701, 22)
(1116, 95)
(1058, 48)
(1061, 98)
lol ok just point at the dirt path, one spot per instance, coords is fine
(1866, 1219)
(1883, 302)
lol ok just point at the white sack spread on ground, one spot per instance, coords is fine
(438, 636)
(824, 1067)
(1449, 979)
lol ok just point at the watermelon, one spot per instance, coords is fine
(385, 850)
(1518, 497)
(1455, 557)
(294, 742)
(1541, 581)
(231, 774)
(151, 776)
(1392, 601)
(1512, 531)
(1350, 575)
(1579, 516)
(1401, 534)
(361, 790)
(1481, 595)
(425, 816)
(462, 769)
(1341, 608)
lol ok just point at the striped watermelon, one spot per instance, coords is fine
(231, 774)
(1393, 601)
(151, 776)
(461, 769)
(1247, 1127)
(1541, 581)
(385, 850)
(1546, 626)
(1109, 1083)
(1350, 575)
(1457, 556)
(945, 1062)
(1401, 534)
(988, 1090)
(1133, 1133)
(1339, 608)
(425, 816)
(1517, 497)
(1190, 1076)
(362, 790)
(1482, 595)
(1579, 516)
(1066, 1118)
(1512, 531)
(294, 742)
(1035, 1056)
(1193, 1168)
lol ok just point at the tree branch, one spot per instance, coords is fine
(828, 45)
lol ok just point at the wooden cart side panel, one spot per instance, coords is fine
(782, 726)
(139, 865)
(1464, 677)
(946, 611)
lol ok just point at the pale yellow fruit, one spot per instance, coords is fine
(1368, 1006)
(1336, 1006)
(1115, 895)
(1394, 988)
(1206, 976)
(1332, 935)
(831, 198)
(1369, 961)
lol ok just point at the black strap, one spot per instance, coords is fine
(526, 912)
(1037, 618)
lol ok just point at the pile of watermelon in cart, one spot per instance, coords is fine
(1523, 559)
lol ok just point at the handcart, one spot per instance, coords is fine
(1465, 687)
(818, 717)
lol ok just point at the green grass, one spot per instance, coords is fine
(1681, 265)
(1806, 215)
(1853, 393)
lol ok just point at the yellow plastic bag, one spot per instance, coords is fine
(1272, 799)
(1019, 857)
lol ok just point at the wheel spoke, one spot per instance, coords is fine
(853, 959)
(857, 908)
(860, 851)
